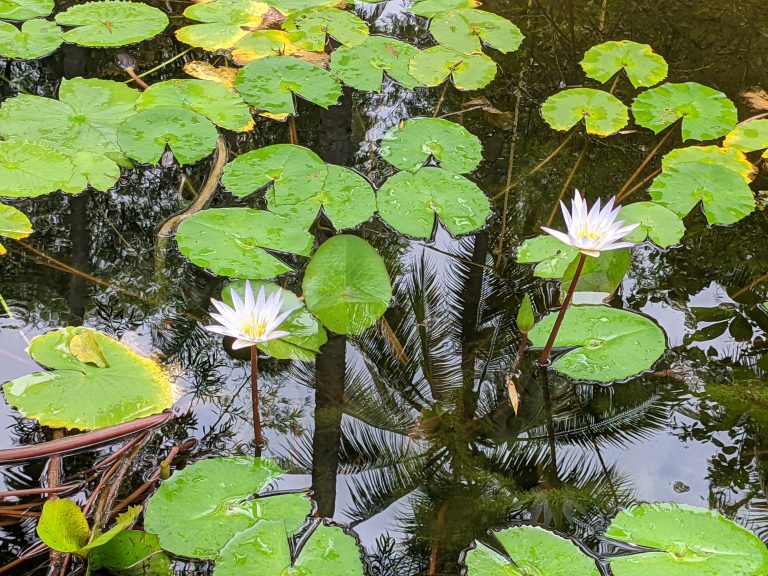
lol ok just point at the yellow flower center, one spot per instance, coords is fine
(587, 233)
(254, 329)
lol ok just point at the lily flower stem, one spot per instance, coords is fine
(258, 439)
(544, 358)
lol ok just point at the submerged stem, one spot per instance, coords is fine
(544, 358)
(258, 439)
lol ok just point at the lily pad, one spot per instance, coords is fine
(463, 29)
(290, 6)
(306, 335)
(200, 508)
(362, 67)
(530, 550)
(219, 104)
(429, 8)
(640, 63)
(13, 224)
(310, 27)
(111, 23)
(706, 113)
(35, 39)
(600, 277)
(346, 285)
(234, 241)
(435, 65)
(724, 195)
(687, 541)
(729, 158)
(415, 141)
(93, 382)
(224, 23)
(131, 553)
(19, 10)
(269, 84)
(263, 549)
(263, 43)
(602, 113)
(611, 344)
(29, 169)
(749, 136)
(551, 256)
(145, 135)
(409, 203)
(658, 224)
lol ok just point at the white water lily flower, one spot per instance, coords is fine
(593, 231)
(251, 322)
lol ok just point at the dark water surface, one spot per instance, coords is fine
(440, 458)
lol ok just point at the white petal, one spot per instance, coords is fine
(559, 235)
(593, 253)
(215, 328)
(277, 334)
(238, 344)
(249, 303)
(237, 301)
(260, 299)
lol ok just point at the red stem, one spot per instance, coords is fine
(257, 437)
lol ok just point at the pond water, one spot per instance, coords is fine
(422, 470)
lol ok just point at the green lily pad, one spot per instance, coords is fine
(435, 65)
(531, 550)
(13, 224)
(362, 67)
(724, 195)
(131, 553)
(551, 256)
(296, 174)
(611, 344)
(347, 199)
(263, 549)
(269, 84)
(224, 23)
(111, 23)
(234, 241)
(93, 382)
(707, 113)
(689, 541)
(346, 285)
(658, 224)
(640, 63)
(202, 507)
(145, 135)
(729, 158)
(600, 277)
(306, 335)
(219, 104)
(29, 169)
(603, 114)
(409, 203)
(463, 29)
(310, 27)
(288, 7)
(19, 10)
(429, 8)
(37, 38)
(749, 136)
(263, 43)
(411, 144)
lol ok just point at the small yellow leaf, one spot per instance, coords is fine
(87, 349)
(204, 71)
(514, 397)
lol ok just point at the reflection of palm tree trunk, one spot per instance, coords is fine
(473, 293)
(549, 476)
(80, 242)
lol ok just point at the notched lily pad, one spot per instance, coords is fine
(29, 169)
(13, 224)
(435, 65)
(463, 30)
(729, 158)
(310, 27)
(640, 63)
(656, 223)
(603, 114)
(362, 67)
(429, 8)
(35, 39)
(551, 256)
(223, 23)
(99, 383)
(20, 10)
(263, 43)
(749, 136)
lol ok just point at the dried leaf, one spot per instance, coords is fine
(204, 71)
(757, 98)
(514, 397)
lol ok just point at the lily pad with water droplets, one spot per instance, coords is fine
(219, 104)
(145, 135)
(263, 549)
(20, 10)
(610, 344)
(640, 63)
(224, 23)
(409, 202)
(706, 113)
(346, 285)
(686, 541)
(310, 27)
(749, 136)
(202, 507)
(603, 114)
(93, 382)
(269, 84)
(13, 224)
(435, 65)
(551, 256)
(35, 39)
(429, 8)
(657, 223)
(411, 144)
(29, 169)
(729, 158)
(362, 67)
(463, 29)
(234, 242)
(530, 550)
(110, 23)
